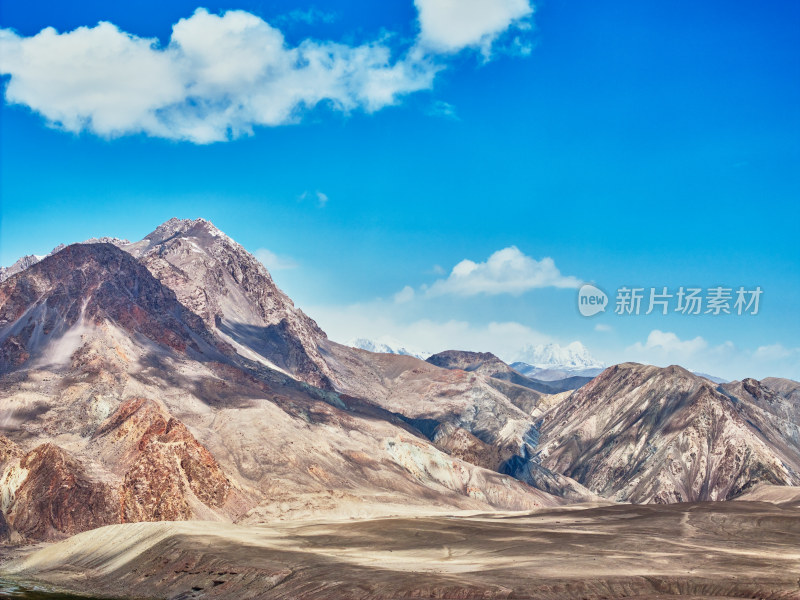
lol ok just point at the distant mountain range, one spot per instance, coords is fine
(574, 356)
(384, 348)
(171, 379)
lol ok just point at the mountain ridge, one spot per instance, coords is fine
(181, 350)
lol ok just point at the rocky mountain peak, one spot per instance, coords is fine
(217, 279)
(46, 309)
(647, 434)
(468, 361)
(187, 227)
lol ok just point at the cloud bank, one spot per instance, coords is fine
(664, 348)
(222, 75)
(379, 321)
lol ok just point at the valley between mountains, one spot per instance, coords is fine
(172, 426)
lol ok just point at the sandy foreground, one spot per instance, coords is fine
(748, 549)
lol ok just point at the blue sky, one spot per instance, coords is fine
(639, 144)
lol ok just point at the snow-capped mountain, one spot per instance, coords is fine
(549, 362)
(392, 347)
(553, 356)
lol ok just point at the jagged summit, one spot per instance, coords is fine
(235, 295)
(230, 290)
(189, 227)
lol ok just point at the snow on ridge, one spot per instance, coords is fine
(392, 347)
(554, 356)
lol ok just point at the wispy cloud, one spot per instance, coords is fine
(507, 271)
(274, 262)
(668, 343)
(321, 197)
(440, 108)
(222, 75)
(405, 295)
(308, 16)
(724, 359)
(379, 320)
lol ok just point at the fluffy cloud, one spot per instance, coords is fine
(218, 77)
(667, 343)
(507, 271)
(405, 295)
(221, 75)
(451, 25)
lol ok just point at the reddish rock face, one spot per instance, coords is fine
(8, 451)
(161, 473)
(462, 444)
(96, 283)
(58, 498)
(164, 466)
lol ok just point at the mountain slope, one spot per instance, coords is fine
(46, 309)
(112, 388)
(772, 408)
(487, 364)
(643, 434)
(466, 413)
(234, 294)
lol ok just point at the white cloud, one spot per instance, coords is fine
(404, 295)
(724, 360)
(322, 199)
(603, 328)
(776, 352)
(274, 262)
(217, 78)
(507, 271)
(222, 75)
(668, 343)
(452, 25)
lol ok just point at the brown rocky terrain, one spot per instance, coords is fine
(772, 408)
(639, 433)
(699, 551)
(487, 364)
(171, 378)
(58, 495)
(151, 411)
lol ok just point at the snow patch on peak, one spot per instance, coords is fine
(386, 346)
(554, 356)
